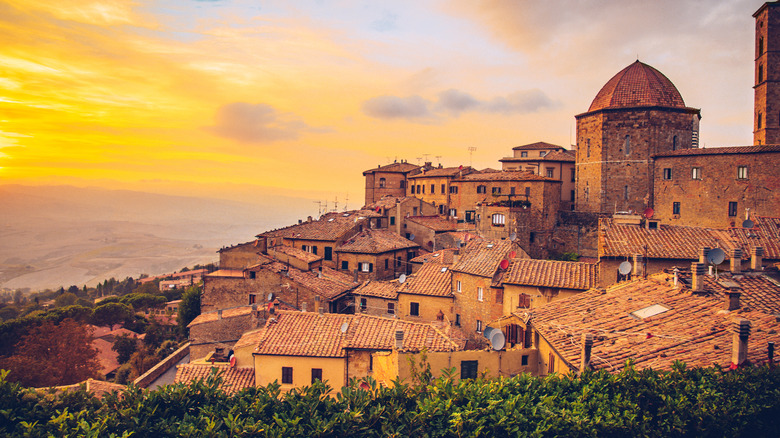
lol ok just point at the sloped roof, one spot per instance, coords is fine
(666, 242)
(695, 329)
(539, 145)
(552, 273)
(329, 227)
(765, 233)
(371, 241)
(482, 256)
(378, 289)
(299, 254)
(393, 167)
(444, 172)
(226, 273)
(565, 156)
(505, 176)
(637, 85)
(329, 284)
(214, 315)
(433, 279)
(320, 335)
(389, 201)
(97, 388)
(435, 223)
(440, 256)
(759, 291)
(233, 379)
(731, 150)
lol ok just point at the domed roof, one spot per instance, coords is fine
(638, 85)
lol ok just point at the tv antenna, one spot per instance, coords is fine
(471, 154)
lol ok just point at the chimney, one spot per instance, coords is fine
(587, 346)
(756, 258)
(736, 260)
(676, 277)
(308, 219)
(399, 339)
(638, 264)
(219, 314)
(740, 342)
(317, 306)
(304, 306)
(703, 254)
(697, 276)
(319, 272)
(732, 299)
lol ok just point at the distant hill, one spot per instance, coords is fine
(53, 236)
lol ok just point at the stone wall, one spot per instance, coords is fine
(471, 309)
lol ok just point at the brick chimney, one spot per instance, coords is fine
(399, 339)
(756, 258)
(703, 254)
(698, 271)
(638, 265)
(741, 332)
(732, 299)
(587, 346)
(736, 260)
(219, 314)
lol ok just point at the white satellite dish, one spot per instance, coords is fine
(716, 256)
(497, 340)
(513, 236)
(270, 296)
(402, 278)
(487, 332)
(344, 327)
(411, 237)
(624, 268)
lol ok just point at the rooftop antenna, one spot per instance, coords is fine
(336, 204)
(438, 158)
(319, 207)
(346, 200)
(426, 157)
(419, 159)
(471, 154)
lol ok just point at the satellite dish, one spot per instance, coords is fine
(344, 327)
(512, 254)
(487, 332)
(624, 268)
(458, 243)
(270, 296)
(748, 224)
(649, 212)
(402, 278)
(716, 256)
(411, 237)
(497, 340)
(513, 236)
(504, 264)
(232, 361)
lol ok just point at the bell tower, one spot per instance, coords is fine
(766, 112)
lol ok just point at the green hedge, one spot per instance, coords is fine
(683, 402)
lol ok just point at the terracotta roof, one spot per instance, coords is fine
(393, 167)
(444, 171)
(551, 273)
(440, 256)
(238, 245)
(537, 146)
(299, 254)
(329, 227)
(233, 379)
(433, 279)
(214, 315)
(226, 273)
(329, 284)
(566, 156)
(635, 86)
(106, 356)
(755, 149)
(373, 241)
(435, 223)
(505, 176)
(378, 289)
(320, 335)
(695, 329)
(97, 388)
(482, 256)
(388, 201)
(666, 242)
(765, 233)
(759, 292)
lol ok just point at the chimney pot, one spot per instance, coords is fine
(740, 341)
(587, 346)
(697, 276)
(703, 254)
(736, 260)
(732, 300)
(399, 339)
(638, 264)
(756, 258)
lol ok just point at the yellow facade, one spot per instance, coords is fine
(270, 368)
(428, 307)
(538, 296)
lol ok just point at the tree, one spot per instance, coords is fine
(66, 299)
(125, 346)
(189, 308)
(112, 313)
(54, 354)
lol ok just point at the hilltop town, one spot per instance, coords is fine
(633, 244)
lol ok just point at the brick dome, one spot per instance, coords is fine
(635, 86)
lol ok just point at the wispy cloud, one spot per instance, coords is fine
(257, 123)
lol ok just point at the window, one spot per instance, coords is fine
(329, 252)
(761, 46)
(457, 286)
(675, 208)
(470, 214)
(391, 308)
(481, 189)
(551, 364)
(625, 193)
(387, 263)
(523, 154)
(419, 186)
(524, 360)
(499, 220)
(414, 309)
(457, 319)
(480, 295)
(453, 212)
(411, 189)
(314, 250)
(524, 301)
(696, 173)
(398, 261)
(423, 188)
(468, 369)
(742, 172)
(367, 267)
(572, 196)
(667, 173)
(511, 190)
(479, 326)
(732, 209)
(550, 172)
(760, 76)
(499, 296)
(759, 120)
(316, 374)
(402, 184)
(382, 182)
(252, 275)
(627, 144)
(443, 189)
(496, 190)
(588, 150)
(433, 189)
(453, 190)
(573, 174)
(252, 298)
(363, 304)
(305, 248)
(542, 153)
(531, 237)
(674, 143)
(287, 375)
(345, 265)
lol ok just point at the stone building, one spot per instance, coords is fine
(426, 295)
(434, 185)
(530, 283)
(388, 180)
(424, 230)
(378, 298)
(548, 160)
(766, 116)
(396, 210)
(375, 255)
(638, 113)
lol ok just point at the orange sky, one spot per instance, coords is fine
(231, 98)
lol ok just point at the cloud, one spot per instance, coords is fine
(453, 102)
(387, 23)
(258, 123)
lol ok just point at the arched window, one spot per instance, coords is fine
(588, 150)
(382, 182)
(674, 143)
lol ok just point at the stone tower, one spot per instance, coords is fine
(637, 114)
(766, 114)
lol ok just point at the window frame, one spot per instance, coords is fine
(414, 309)
(695, 172)
(733, 209)
(287, 375)
(676, 208)
(667, 173)
(742, 172)
(316, 374)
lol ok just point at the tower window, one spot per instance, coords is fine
(760, 73)
(761, 46)
(628, 144)
(588, 149)
(696, 173)
(758, 121)
(668, 173)
(675, 208)
(742, 172)
(674, 143)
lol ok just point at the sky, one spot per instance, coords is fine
(234, 98)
